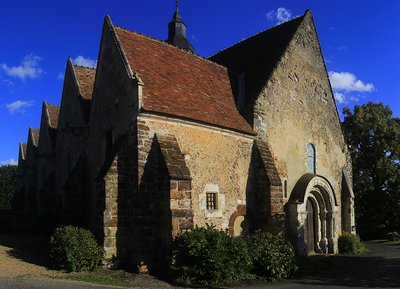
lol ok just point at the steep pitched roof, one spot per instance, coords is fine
(53, 113)
(35, 136)
(263, 49)
(85, 77)
(181, 84)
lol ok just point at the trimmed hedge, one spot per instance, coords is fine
(273, 256)
(207, 256)
(74, 249)
(350, 244)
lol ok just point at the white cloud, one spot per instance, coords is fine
(11, 162)
(271, 15)
(346, 81)
(83, 61)
(283, 15)
(340, 97)
(280, 15)
(19, 106)
(28, 68)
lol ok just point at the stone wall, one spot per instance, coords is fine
(219, 162)
(297, 107)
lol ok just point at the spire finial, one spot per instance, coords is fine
(176, 5)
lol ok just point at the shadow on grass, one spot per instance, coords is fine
(357, 271)
(27, 248)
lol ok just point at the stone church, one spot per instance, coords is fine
(157, 140)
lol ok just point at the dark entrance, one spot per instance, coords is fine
(310, 227)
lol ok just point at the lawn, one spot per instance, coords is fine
(385, 241)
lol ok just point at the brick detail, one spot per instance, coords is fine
(269, 163)
(241, 210)
(162, 206)
(269, 197)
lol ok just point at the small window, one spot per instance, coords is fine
(311, 159)
(211, 199)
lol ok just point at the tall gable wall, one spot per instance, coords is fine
(296, 107)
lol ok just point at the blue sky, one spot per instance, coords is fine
(359, 39)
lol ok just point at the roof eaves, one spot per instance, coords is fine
(249, 132)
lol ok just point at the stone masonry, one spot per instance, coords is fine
(157, 140)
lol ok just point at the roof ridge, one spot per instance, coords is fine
(259, 33)
(173, 46)
(82, 66)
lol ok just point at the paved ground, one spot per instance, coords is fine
(379, 268)
(22, 266)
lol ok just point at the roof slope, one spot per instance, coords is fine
(35, 136)
(53, 113)
(181, 84)
(85, 77)
(23, 150)
(264, 49)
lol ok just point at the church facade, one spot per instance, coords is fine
(157, 140)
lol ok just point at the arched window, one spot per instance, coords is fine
(311, 159)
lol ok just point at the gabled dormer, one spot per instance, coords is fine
(46, 148)
(48, 129)
(73, 119)
(32, 148)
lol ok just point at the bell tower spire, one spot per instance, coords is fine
(177, 31)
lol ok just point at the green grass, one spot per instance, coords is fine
(379, 241)
(385, 242)
(393, 242)
(363, 250)
(103, 276)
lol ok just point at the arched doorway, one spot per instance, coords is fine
(309, 233)
(313, 216)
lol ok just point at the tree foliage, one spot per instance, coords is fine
(8, 179)
(373, 136)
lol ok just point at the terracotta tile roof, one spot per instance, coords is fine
(53, 112)
(85, 78)
(181, 84)
(35, 136)
(23, 150)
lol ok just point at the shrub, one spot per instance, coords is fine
(207, 256)
(74, 249)
(273, 256)
(393, 236)
(350, 244)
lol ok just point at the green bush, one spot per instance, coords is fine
(350, 244)
(207, 256)
(393, 236)
(75, 249)
(273, 256)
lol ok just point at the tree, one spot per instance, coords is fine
(8, 179)
(373, 136)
